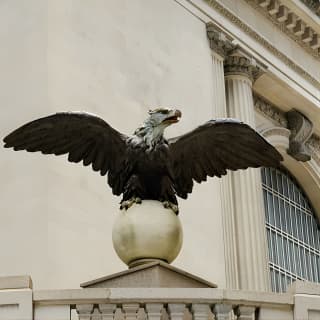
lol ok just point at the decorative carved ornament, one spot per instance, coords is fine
(313, 144)
(313, 5)
(289, 23)
(270, 111)
(236, 59)
(219, 41)
(262, 41)
(235, 64)
(301, 130)
(302, 143)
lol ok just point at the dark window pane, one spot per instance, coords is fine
(293, 232)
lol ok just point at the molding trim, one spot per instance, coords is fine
(262, 41)
(311, 142)
(313, 5)
(289, 23)
(270, 111)
(278, 137)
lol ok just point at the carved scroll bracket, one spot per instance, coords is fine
(301, 130)
(292, 133)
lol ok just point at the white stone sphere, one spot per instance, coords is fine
(147, 231)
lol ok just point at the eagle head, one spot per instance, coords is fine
(151, 132)
(163, 117)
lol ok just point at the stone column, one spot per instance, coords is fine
(221, 45)
(250, 235)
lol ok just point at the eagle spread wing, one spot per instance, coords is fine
(214, 147)
(82, 135)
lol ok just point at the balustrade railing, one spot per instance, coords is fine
(160, 304)
(19, 301)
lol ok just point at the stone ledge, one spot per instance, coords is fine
(71, 296)
(161, 295)
(15, 282)
(305, 287)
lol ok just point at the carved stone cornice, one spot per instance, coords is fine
(270, 111)
(303, 144)
(289, 23)
(262, 41)
(301, 130)
(219, 41)
(313, 5)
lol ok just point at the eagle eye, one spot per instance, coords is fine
(164, 111)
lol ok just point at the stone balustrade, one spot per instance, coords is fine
(18, 301)
(160, 303)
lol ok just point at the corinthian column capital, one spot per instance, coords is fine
(241, 63)
(219, 42)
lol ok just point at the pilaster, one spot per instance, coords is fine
(221, 45)
(240, 72)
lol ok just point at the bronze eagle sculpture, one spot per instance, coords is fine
(146, 165)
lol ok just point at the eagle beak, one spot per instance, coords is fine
(174, 116)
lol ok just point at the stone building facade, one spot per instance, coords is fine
(253, 233)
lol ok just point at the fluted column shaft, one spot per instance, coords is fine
(246, 184)
(220, 44)
(219, 97)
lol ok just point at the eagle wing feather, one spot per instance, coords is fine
(215, 147)
(83, 136)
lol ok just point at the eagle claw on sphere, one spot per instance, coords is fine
(128, 203)
(172, 206)
(145, 165)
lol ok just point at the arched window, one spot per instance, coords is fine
(292, 230)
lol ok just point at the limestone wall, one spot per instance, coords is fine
(116, 59)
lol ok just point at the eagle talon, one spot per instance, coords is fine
(128, 203)
(166, 204)
(172, 206)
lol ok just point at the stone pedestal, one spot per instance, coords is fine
(16, 298)
(156, 274)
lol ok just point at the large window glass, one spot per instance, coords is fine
(292, 230)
